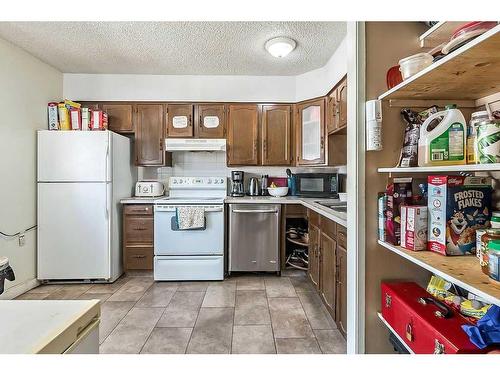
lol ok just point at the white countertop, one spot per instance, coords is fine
(29, 327)
(338, 217)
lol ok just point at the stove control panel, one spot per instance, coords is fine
(199, 183)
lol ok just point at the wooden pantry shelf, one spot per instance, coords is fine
(463, 271)
(468, 73)
(439, 33)
(444, 168)
(395, 333)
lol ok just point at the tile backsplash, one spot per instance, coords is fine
(199, 164)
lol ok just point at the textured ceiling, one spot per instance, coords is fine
(206, 48)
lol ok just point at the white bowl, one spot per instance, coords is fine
(343, 197)
(278, 191)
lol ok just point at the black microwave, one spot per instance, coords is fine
(316, 185)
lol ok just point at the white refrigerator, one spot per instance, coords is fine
(82, 176)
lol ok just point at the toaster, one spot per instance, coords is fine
(149, 189)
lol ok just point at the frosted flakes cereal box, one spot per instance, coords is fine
(457, 206)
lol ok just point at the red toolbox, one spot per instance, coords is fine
(425, 324)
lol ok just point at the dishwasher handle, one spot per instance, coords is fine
(255, 211)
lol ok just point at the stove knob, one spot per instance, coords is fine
(209, 181)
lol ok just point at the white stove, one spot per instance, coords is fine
(195, 254)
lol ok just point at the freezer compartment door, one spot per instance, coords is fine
(172, 268)
(73, 156)
(73, 231)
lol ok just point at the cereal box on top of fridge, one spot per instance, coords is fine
(53, 117)
(457, 207)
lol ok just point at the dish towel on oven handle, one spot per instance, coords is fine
(190, 217)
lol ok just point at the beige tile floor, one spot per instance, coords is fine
(250, 314)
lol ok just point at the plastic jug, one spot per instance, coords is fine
(445, 144)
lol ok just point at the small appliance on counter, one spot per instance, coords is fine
(237, 189)
(264, 180)
(149, 189)
(253, 187)
(316, 185)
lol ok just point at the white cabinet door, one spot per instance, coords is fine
(74, 156)
(73, 230)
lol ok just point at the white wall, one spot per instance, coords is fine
(208, 88)
(320, 81)
(178, 88)
(27, 85)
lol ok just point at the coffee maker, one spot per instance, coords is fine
(237, 188)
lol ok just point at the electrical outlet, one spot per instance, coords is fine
(22, 240)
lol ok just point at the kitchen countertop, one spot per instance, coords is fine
(311, 203)
(29, 327)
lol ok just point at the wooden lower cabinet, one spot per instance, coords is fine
(328, 273)
(138, 231)
(327, 268)
(314, 266)
(341, 308)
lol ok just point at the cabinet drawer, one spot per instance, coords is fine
(139, 258)
(329, 227)
(342, 236)
(295, 210)
(139, 230)
(313, 217)
(138, 209)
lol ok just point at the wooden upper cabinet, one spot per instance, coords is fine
(149, 134)
(243, 134)
(91, 105)
(210, 121)
(311, 132)
(327, 271)
(332, 118)
(336, 107)
(342, 103)
(276, 135)
(341, 290)
(180, 121)
(120, 117)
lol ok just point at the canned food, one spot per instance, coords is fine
(494, 259)
(479, 234)
(476, 118)
(490, 235)
(488, 142)
(495, 220)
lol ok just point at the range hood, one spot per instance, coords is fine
(194, 144)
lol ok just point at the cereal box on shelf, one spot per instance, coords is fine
(399, 192)
(457, 206)
(414, 227)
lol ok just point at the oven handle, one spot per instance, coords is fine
(161, 209)
(255, 211)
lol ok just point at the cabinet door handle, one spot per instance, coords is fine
(322, 142)
(139, 228)
(139, 256)
(200, 125)
(189, 120)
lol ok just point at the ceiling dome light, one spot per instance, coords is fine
(280, 47)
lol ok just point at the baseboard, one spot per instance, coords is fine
(19, 289)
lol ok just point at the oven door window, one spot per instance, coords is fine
(311, 185)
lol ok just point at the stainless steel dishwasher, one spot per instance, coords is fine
(254, 237)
